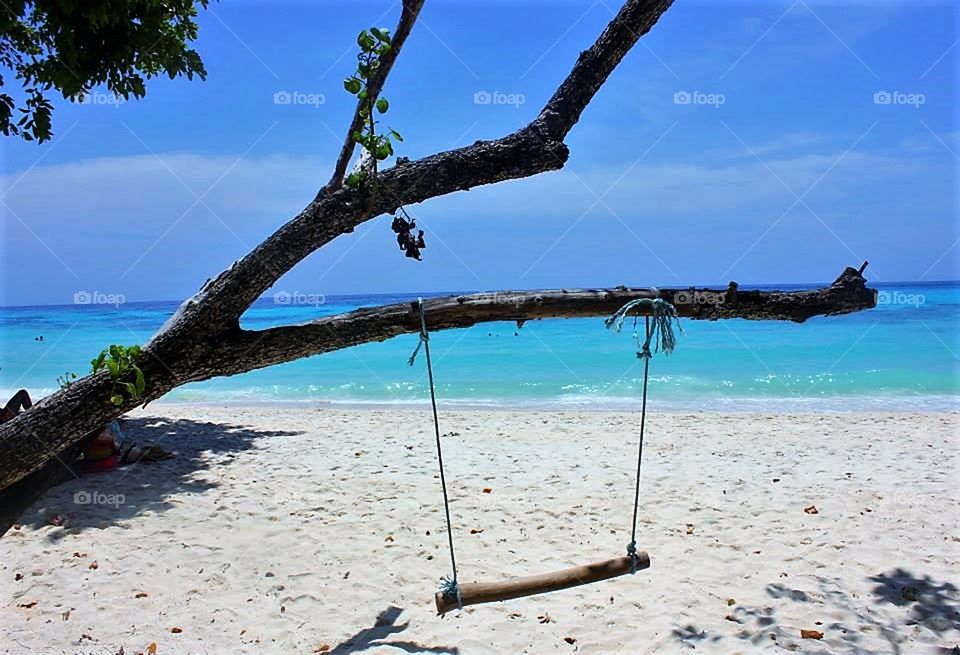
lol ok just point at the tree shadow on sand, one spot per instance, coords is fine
(901, 604)
(934, 605)
(92, 500)
(385, 626)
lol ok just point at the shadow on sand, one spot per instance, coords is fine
(385, 626)
(78, 504)
(900, 604)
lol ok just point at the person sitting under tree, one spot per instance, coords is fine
(19, 402)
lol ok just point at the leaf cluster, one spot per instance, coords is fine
(128, 379)
(71, 46)
(374, 44)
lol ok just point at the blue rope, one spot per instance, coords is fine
(449, 587)
(659, 332)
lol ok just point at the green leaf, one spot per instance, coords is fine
(352, 85)
(141, 381)
(354, 179)
(116, 399)
(382, 34)
(383, 150)
(365, 41)
(396, 135)
(382, 105)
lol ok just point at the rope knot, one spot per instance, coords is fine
(413, 356)
(632, 554)
(450, 588)
(659, 331)
(424, 335)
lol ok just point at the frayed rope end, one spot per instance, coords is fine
(661, 333)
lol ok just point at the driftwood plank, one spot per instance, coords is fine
(474, 593)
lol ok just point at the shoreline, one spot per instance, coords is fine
(664, 407)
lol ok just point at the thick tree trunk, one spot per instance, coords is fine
(204, 339)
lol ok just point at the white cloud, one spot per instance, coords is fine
(113, 221)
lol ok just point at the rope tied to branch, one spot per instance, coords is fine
(657, 329)
(449, 587)
(424, 337)
(659, 332)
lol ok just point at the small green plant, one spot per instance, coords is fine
(66, 379)
(127, 377)
(374, 44)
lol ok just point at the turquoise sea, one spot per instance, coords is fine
(901, 356)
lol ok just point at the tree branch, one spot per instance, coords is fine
(411, 9)
(247, 350)
(535, 148)
(237, 351)
(594, 65)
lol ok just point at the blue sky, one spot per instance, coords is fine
(785, 166)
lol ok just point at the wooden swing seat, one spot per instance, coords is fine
(474, 593)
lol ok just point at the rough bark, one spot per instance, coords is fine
(204, 339)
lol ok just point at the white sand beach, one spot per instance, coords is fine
(319, 530)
